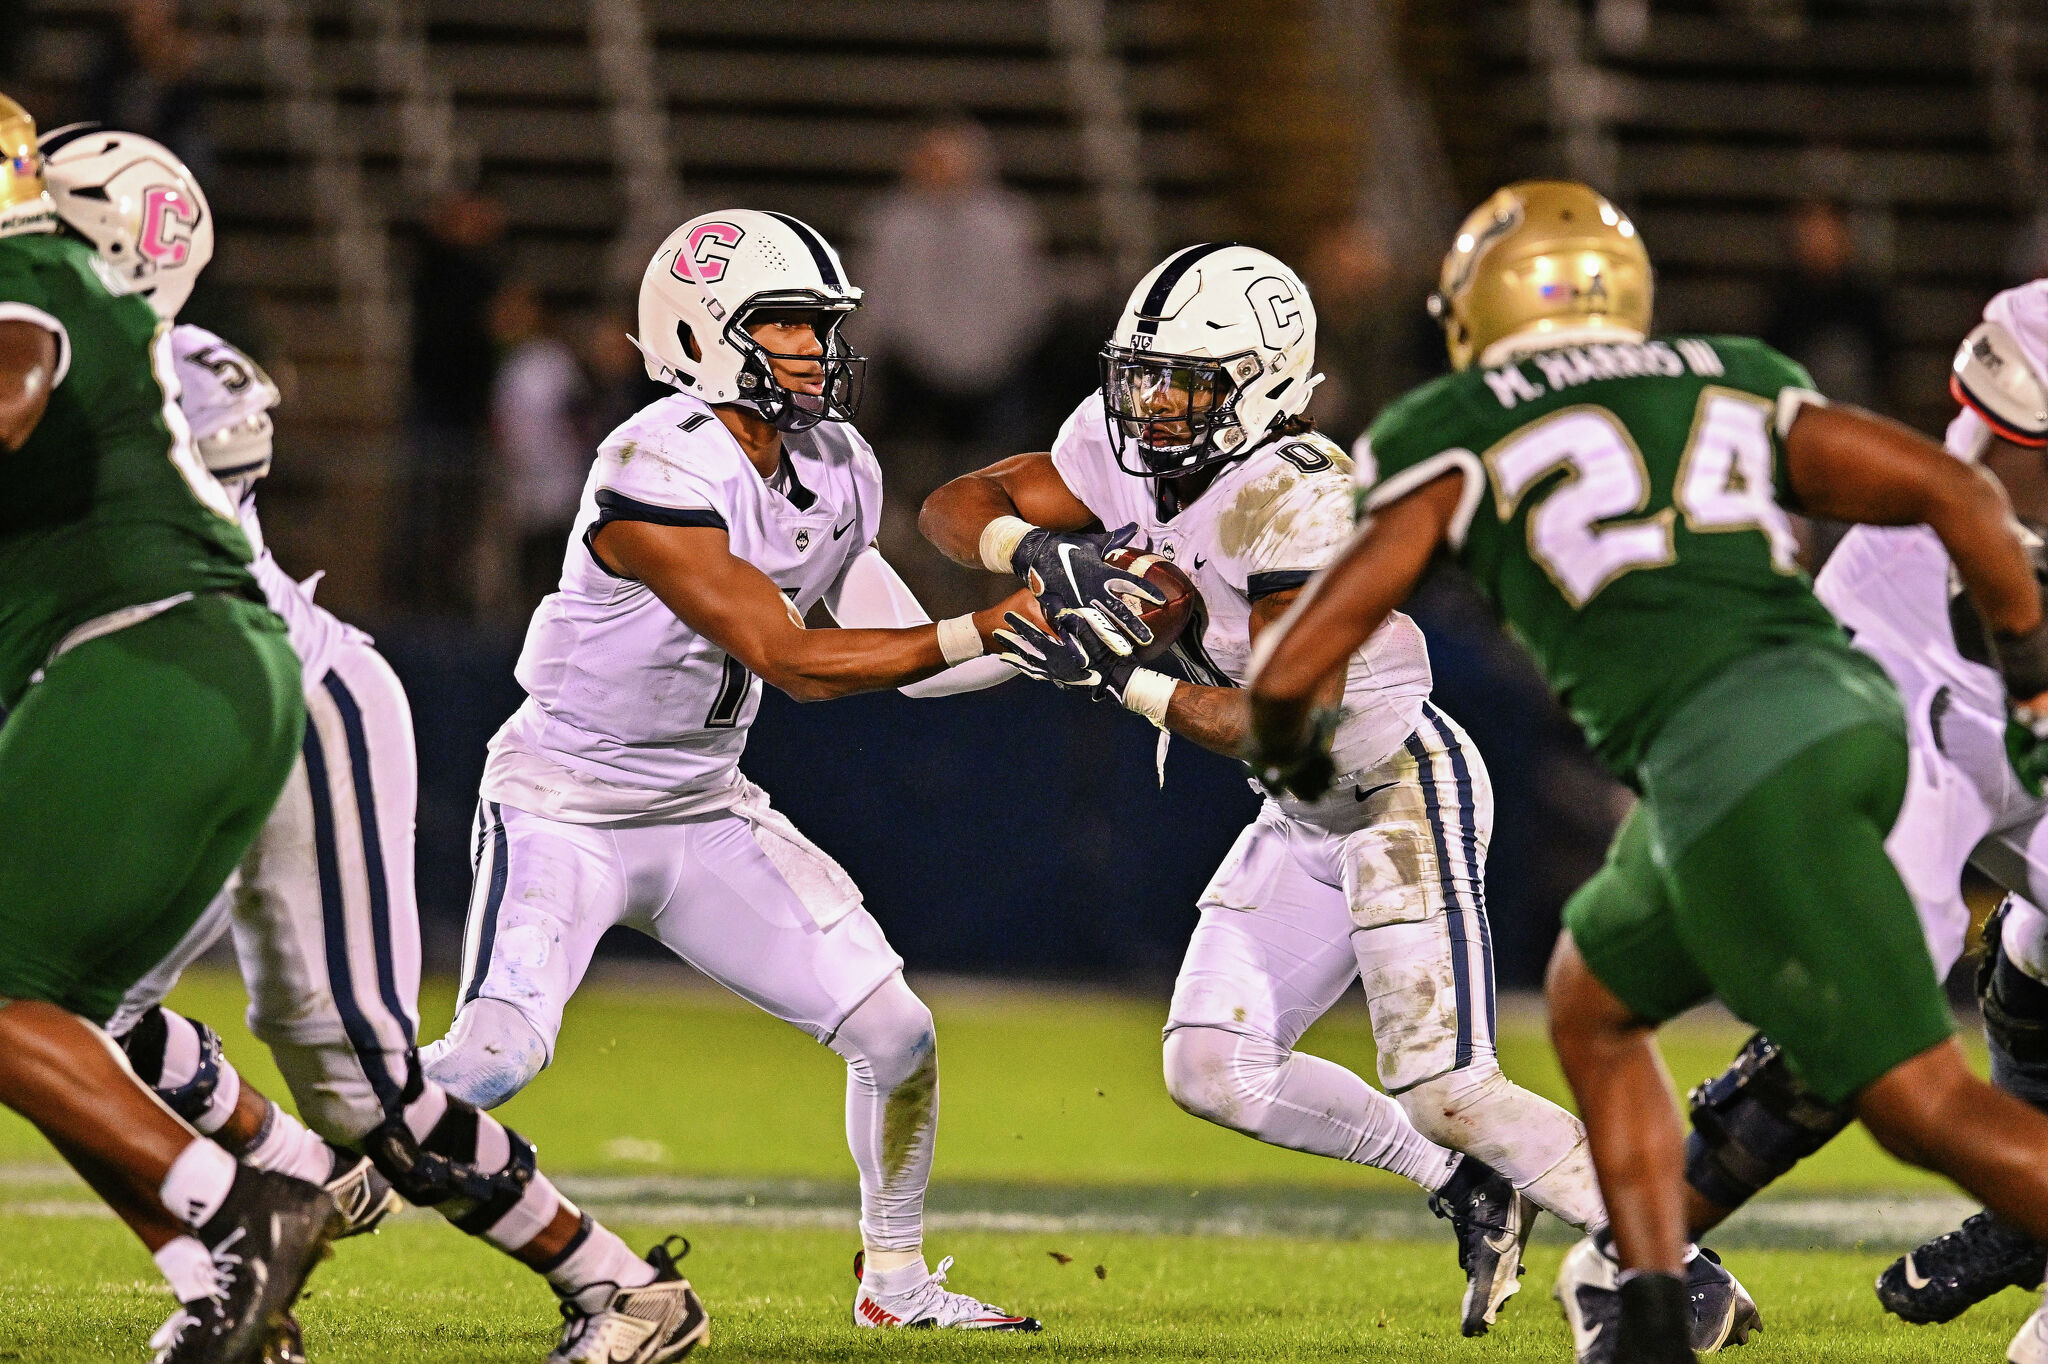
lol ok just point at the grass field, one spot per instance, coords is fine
(1069, 1187)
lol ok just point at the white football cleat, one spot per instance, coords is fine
(648, 1324)
(2030, 1346)
(1720, 1311)
(364, 1196)
(925, 1304)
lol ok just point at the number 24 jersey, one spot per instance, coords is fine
(1624, 509)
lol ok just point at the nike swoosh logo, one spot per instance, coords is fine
(1501, 1244)
(1364, 794)
(1914, 1279)
(841, 530)
(1200, 563)
(1067, 562)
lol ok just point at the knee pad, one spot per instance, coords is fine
(1752, 1123)
(490, 1054)
(441, 1170)
(889, 1038)
(1206, 1074)
(205, 1099)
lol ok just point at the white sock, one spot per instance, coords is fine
(188, 1266)
(1539, 1147)
(589, 1273)
(892, 1113)
(198, 1183)
(889, 1261)
(288, 1146)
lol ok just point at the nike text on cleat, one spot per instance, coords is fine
(925, 1304)
(1947, 1276)
(648, 1324)
(265, 1239)
(1492, 1221)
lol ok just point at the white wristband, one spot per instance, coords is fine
(959, 640)
(1149, 693)
(999, 542)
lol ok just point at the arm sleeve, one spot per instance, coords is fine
(870, 595)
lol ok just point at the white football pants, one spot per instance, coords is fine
(1383, 881)
(1964, 806)
(325, 921)
(743, 897)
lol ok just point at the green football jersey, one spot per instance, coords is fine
(1624, 510)
(108, 504)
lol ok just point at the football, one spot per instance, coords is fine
(1165, 619)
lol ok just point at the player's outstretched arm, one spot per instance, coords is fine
(28, 371)
(738, 608)
(871, 595)
(1853, 465)
(1026, 487)
(1218, 718)
(1336, 613)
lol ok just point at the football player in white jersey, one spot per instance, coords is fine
(712, 523)
(1197, 448)
(323, 914)
(1971, 800)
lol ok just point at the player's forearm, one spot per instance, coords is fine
(1976, 525)
(28, 368)
(1217, 718)
(818, 665)
(954, 516)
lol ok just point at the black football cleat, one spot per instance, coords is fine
(1949, 1275)
(265, 1239)
(1719, 1308)
(1492, 1220)
(648, 1324)
(287, 1344)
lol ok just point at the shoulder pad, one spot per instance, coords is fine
(1992, 377)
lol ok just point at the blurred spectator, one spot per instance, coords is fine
(143, 82)
(1828, 314)
(455, 278)
(956, 296)
(542, 452)
(1374, 341)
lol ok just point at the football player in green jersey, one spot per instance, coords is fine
(1622, 500)
(152, 713)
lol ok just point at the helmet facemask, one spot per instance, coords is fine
(1170, 415)
(841, 373)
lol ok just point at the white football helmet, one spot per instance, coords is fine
(720, 271)
(137, 204)
(1213, 351)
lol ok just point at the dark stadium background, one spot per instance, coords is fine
(408, 189)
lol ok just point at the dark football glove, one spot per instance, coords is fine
(1067, 572)
(1079, 659)
(1307, 774)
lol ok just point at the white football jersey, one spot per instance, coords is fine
(220, 386)
(1266, 524)
(1890, 584)
(629, 711)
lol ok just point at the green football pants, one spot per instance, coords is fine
(1787, 909)
(132, 779)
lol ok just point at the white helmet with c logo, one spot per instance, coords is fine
(137, 204)
(720, 270)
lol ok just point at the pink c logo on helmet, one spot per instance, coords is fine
(709, 248)
(168, 218)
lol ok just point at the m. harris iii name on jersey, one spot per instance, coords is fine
(1571, 366)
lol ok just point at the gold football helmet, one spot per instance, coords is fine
(25, 205)
(1541, 256)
